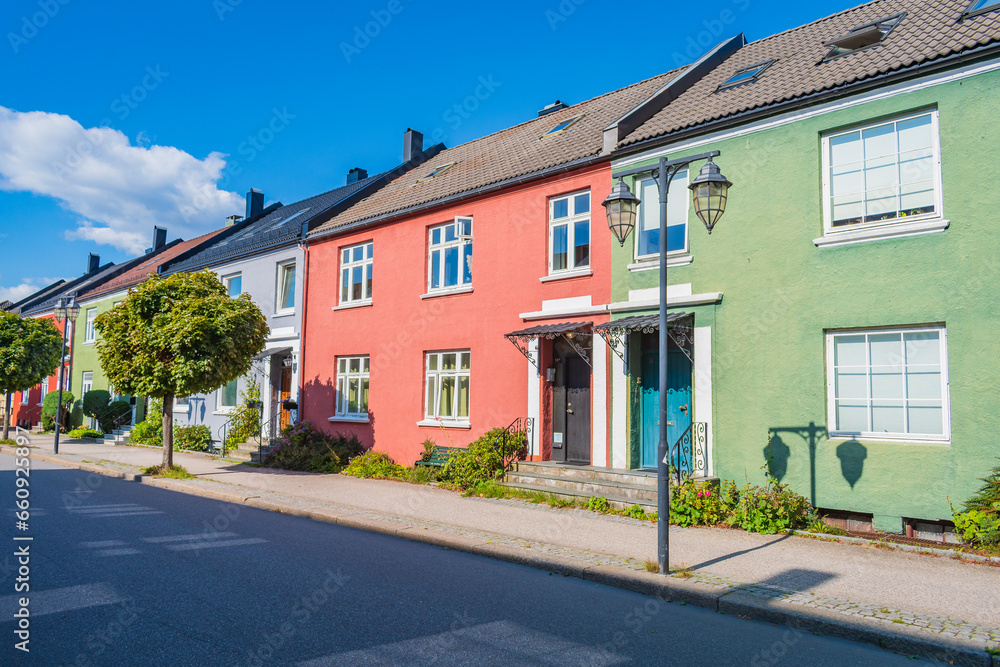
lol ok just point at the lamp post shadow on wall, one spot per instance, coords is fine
(67, 310)
(710, 192)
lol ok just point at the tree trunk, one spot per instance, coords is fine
(6, 416)
(168, 431)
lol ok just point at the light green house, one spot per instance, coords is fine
(839, 324)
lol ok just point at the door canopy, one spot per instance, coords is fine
(571, 332)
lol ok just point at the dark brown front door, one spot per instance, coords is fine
(570, 406)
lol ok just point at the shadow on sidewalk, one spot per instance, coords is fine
(797, 579)
(735, 554)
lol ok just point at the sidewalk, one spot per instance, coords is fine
(938, 607)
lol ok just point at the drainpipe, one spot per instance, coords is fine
(302, 324)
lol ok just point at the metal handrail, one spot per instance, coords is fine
(519, 428)
(685, 451)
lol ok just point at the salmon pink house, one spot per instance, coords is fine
(464, 295)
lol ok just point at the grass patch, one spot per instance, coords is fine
(495, 490)
(994, 651)
(8, 441)
(682, 572)
(651, 566)
(175, 472)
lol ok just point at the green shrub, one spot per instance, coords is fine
(150, 430)
(193, 438)
(49, 404)
(244, 420)
(769, 509)
(428, 446)
(94, 402)
(979, 520)
(484, 460)
(302, 447)
(85, 433)
(375, 465)
(693, 504)
(636, 512)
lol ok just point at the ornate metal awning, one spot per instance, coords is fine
(679, 328)
(522, 338)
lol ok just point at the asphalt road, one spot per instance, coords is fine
(126, 574)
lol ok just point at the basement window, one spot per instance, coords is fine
(863, 37)
(437, 172)
(746, 75)
(561, 127)
(981, 7)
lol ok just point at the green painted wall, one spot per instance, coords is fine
(85, 355)
(781, 293)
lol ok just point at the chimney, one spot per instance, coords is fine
(413, 144)
(159, 238)
(555, 106)
(93, 263)
(232, 220)
(356, 174)
(255, 202)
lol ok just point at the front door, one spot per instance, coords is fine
(570, 406)
(281, 390)
(678, 403)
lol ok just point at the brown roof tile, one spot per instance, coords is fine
(931, 29)
(516, 151)
(144, 270)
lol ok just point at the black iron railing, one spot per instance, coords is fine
(690, 451)
(515, 441)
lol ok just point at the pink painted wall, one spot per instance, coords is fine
(31, 414)
(510, 246)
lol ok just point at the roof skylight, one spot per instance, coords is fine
(437, 172)
(863, 37)
(746, 75)
(981, 7)
(561, 127)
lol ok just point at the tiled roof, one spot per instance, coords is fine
(931, 29)
(76, 286)
(275, 228)
(147, 265)
(505, 155)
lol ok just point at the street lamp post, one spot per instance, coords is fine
(710, 192)
(68, 310)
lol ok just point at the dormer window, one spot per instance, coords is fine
(563, 126)
(863, 37)
(745, 76)
(437, 172)
(981, 7)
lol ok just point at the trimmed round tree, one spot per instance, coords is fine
(179, 336)
(30, 350)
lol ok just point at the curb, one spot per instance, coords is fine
(904, 640)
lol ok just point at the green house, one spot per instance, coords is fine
(838, 327)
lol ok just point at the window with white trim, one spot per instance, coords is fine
(88, 382)
(647, 238)
(447, 386)
(25, 396)
(90, 333)
(569, 232)
(45, 390)
(285, 301)
(233, 284)
(889, 383)
(884, 174)
(450, 255)
(352, 387)
(228, 395)
(356, 265)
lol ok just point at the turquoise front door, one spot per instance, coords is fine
(678, 404)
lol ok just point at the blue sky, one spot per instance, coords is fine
(115, 116)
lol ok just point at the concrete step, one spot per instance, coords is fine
(644, 478)
(240, 455)
(589, 487)
(614, 501)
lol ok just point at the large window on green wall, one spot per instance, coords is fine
(647, 237)
(889, 383)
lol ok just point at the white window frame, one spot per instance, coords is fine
(460, 242)
(432, 408)
(906, 226)
(348, 264)
(570, 222)
(282, 271)
(227, 282)
(342, 410)
(44, 387)
(220, 392)
(679, 185)
(90, 333)
(26, 396)
(86, 383)
(831, 396)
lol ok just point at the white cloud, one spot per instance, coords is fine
(27, 287)
(120, 191)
